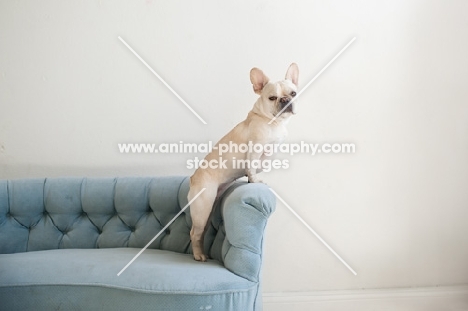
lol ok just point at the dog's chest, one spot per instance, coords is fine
(279, 134)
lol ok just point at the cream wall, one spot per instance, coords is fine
(396, 210)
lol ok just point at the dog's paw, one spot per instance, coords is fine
(256, 180)
(199, 257)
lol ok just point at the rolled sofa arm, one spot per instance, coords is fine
(245, 209)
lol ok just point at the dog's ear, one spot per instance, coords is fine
(293, 73)
(258, 79)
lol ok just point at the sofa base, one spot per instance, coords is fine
(86, 279)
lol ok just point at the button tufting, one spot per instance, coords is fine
(167, 231)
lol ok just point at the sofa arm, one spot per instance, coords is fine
(245, 208)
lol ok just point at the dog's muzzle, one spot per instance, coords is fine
(285, 102)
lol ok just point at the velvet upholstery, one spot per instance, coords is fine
(63, 241)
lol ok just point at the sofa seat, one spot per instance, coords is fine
(86, 279)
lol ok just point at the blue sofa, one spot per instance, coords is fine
(63, 241)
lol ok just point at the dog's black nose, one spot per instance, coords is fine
(284, 100)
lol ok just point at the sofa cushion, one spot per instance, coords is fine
(56, 213)
(86, 279)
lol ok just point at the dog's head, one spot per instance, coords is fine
(275, 96)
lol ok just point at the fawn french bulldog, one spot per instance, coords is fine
(273, 97)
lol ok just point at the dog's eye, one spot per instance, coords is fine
(273, 98)
(293, 93)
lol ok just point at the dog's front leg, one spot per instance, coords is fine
(254, 166)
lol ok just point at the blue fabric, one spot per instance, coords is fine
(187, 285)
(65, 221)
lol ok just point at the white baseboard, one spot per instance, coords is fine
(399, 299)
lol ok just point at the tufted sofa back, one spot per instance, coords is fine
(42, 214)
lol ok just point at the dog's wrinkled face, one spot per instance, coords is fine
(278, 95)
(275, 96)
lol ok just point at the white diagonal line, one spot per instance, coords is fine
(162, 80)
(313, 231)
(313, 79)
(156, 236)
